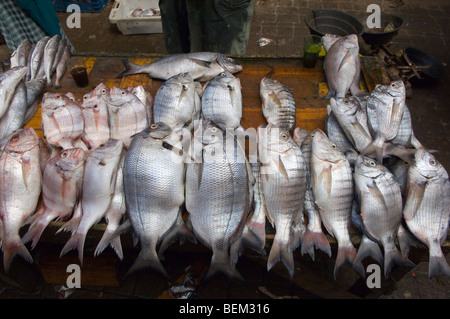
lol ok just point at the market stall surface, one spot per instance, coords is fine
(103, 276)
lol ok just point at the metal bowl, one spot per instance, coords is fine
(377, 36)
(332, 21)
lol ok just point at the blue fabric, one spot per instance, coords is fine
(43, 13)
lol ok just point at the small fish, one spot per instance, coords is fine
(8, 83)
(20, 56)
(50, 50)
(37, 57)
(14, 116)
(61, 67)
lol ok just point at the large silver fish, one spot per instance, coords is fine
(8, 83)
(314, 238)
(427, 207)
(20, 180)
(332, 184)
(342, 67)
(175, 101)
(61, 189)
(218, 197)
(283, 175)
(20, 56)
(127, 115)
(353, 121)
(278, 105)
(222, 101)
(153, 175)
(146, 98)
(96, 116)
(385, 108)
(99, 181)
(202, 66)
(380, 201)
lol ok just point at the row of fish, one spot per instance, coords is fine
(22, 86)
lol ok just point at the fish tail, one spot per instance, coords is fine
(11, 248)
(109, 238)
(130, 68)
(281, 252)
(76, 241)
(393, 256)
(148, 258)
(248, 239)
(255, 236)
(375, 149)
(70, 226)
(406, 154)
(179, 232)
(221, 263)
(345, 255)
(366, 248)
(57, 84)
(35, 231)
(438, 263)
(315, 240)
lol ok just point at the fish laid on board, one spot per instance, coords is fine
(283, 179)
(278, 104)
(153, 168)
(427, 207)
(20, 180)
(202, 66)
(332, 184)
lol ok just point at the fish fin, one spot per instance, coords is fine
(249, 239)
(130, 68)
(36, 230)
(281, 168)
(281, 252)
(179, 232)
(221, 263)
(202, 63)
(393, 256)
(360, 130)
(414, 196)
(325, 175)
(375, 149)
(376, 195)
(315, 240)
(406, 239)
(345, 255)
(13, 247)
(76, 241)
(367, 248)
(150, 260)
(70, 226)
(331, 93)
(406, 154)
(438, 264)
(109, 238)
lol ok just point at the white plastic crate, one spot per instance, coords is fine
(120, 15)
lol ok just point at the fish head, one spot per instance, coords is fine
(395, 89)
(325, 149)
(53, 101)
(274, 139)
(23, 140)
(158, 130)
(228, 64)
(211, 132)
(350, 41)
(102, 90)
(110, 149)
(118, 97)
(267, 88)
(70, 159)
(427, 165)
(347, 106)
(184, 81)
(368, 167)
(329, 39)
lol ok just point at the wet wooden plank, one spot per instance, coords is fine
(373, 72)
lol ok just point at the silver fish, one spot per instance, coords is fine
(59, 52)
(332, 184)
(99, 181)
(385, 108)
(146, 98)
(62, 120)
(127, 115)
(342, 67)
(222, 101)
(114, 215)
(353, 121)
(153, 168)
(218, 197)
(37, 57)
(61, 67)
(175, 101)
(61, 189)
(34, 89)
(20, 181)
(380, 201)
(427, 207)
(8, 83)
(50, 50)
(96, 117)
(202, 66)
(283, 175)
(20, 56)
(314, 236)
(328, 40)
(278, 105)
(14, 116)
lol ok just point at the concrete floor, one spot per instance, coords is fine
(281, 21)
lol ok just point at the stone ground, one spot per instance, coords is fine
(282, 21)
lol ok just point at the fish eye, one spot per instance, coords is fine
(185, 87)
(214, 129)
(334, 146)
(95, 106)
(222, 74)
(154, 126)
(284, 136)
(346, 101)
(85, 97)
(57, 96)
(372, 163)
(64, 154)
(230, 59)
(433, 162)
(123, 92)
(15, 137)
(181, 75)
(103, 91)
(393, 85)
